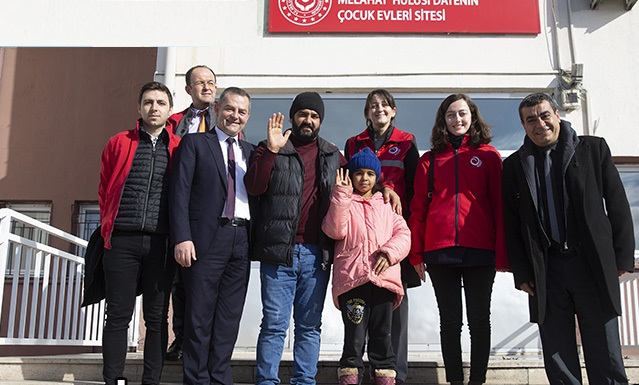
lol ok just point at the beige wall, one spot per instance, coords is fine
(58, 107)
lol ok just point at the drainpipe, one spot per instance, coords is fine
(583, 94)
(166, 67)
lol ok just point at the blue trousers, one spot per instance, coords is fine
(300, 289)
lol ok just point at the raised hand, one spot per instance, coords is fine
(275, 139)
(342, 178)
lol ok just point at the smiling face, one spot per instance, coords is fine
(155, 109)
(380, 113)
(306, 124)
(364, 180)
(202, 87)
(541, 124)
(458, 118)
(232, 112)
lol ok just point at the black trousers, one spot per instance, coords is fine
(477, 282)
(367, 309)
(571, 290)
(177, 304)
(215, 287)
(399, 336)
(136, 260)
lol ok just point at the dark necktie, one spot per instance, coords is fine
(202, 114)
(230, 179)
(550, 197)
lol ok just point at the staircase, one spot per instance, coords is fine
(425, 369)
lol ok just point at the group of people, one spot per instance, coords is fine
(186, 203)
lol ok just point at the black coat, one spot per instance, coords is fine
(94, 284)
(594, 189)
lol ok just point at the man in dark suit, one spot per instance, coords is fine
(201, 86)
(209, 212)
(570, 236)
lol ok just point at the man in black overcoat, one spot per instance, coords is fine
(570, 236)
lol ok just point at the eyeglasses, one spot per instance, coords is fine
(201, 83)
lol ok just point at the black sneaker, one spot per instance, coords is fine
(174, 353)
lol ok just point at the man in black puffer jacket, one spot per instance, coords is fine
(134, 217)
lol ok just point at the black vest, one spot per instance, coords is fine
(275, 226)
(145, 196)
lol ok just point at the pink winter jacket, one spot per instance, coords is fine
(362, 229)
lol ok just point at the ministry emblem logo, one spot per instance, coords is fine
(304, 12)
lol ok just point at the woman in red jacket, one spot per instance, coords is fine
(457, 229)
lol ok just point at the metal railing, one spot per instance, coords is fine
(42, 292)
(42, 289)
(628, 322)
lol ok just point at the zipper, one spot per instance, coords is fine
(456, 198)
(148, 186)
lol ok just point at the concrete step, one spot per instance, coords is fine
(424, 369)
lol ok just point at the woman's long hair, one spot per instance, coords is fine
(479, 130)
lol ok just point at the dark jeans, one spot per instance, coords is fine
(367, 309)
(571, 290)
(137, 262)
(477, 282)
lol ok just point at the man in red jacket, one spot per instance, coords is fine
(133, 199)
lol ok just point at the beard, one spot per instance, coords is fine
(301, 134)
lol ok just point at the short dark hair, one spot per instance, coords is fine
(234, 91)
(382, 93)
(187, 78)
(155, 86)
(479, 130)
(536, 98)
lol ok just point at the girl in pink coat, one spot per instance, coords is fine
(371, 241)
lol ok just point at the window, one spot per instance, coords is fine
(38, 211)
(630, 178)
(344, 116)
(86, 218)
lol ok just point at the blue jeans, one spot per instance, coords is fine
(301, 289)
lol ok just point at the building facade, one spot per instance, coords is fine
(582, 51)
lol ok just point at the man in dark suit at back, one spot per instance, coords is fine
(201, 85)
(209, 212)
(570, 236)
